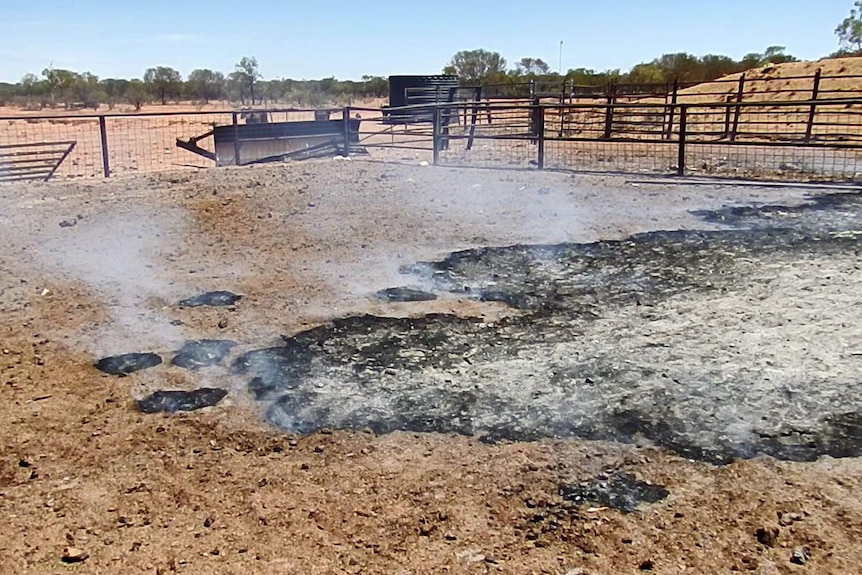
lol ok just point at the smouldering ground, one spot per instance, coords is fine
(221, 491)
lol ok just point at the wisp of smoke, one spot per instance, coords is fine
(116, 256)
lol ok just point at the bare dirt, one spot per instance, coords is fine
(757, 313)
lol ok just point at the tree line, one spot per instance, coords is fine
(482, 67)
(163, 84)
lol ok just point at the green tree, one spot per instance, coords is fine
(646, 73)
(30, 85)
(136, 94)
(681, 66)
(375, 86)
(248, 73)
(849, 31)
(85, 90)
(476, 67)
(235, 87)
(114, 89)
(713, 66)
(163, 82)
(532, 67)
(205, 85)
(776, 55)
(53, 80)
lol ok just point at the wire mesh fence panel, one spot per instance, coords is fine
(149, 143)
(837, 123)
(571, 122)
(773, 162)
(612, 156)
(498, 152)
(20, 157)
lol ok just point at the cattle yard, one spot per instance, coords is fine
(383, 360)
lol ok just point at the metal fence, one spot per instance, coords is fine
(112, 144)
(810, 139)
(743, 87)
(814, 140)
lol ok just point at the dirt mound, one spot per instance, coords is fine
(840, 78)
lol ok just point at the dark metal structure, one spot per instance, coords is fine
(414, 95)
(240, 144)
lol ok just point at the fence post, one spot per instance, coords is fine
(477, 96)
(436, 136)
(609, 111)
(103, 136)
(727, 100)
(738, 111)
(815, 92)
(672, 109)
(236, 161)
(683, 126)
(540, 116)
(345, 118)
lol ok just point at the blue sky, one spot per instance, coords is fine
(347, 39)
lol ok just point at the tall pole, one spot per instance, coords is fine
(561, 58)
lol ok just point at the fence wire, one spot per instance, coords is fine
(795, 140)
(53, 134)
(148, 143)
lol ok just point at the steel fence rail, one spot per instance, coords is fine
(801, 139)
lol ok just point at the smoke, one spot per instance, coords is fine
(118, 257)
(419, 215)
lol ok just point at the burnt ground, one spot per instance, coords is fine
(534, 375)
(608, 379)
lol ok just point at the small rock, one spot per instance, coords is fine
(318, 449)
(790, 167)
(767, 536)
(787, 519)
(222, 324)
(219, 298)
(128, 363)
(171, 401)
(74, 555)
(646, 565)
(404, 294)
(800, 556)
(424, 164)
(68, 223)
